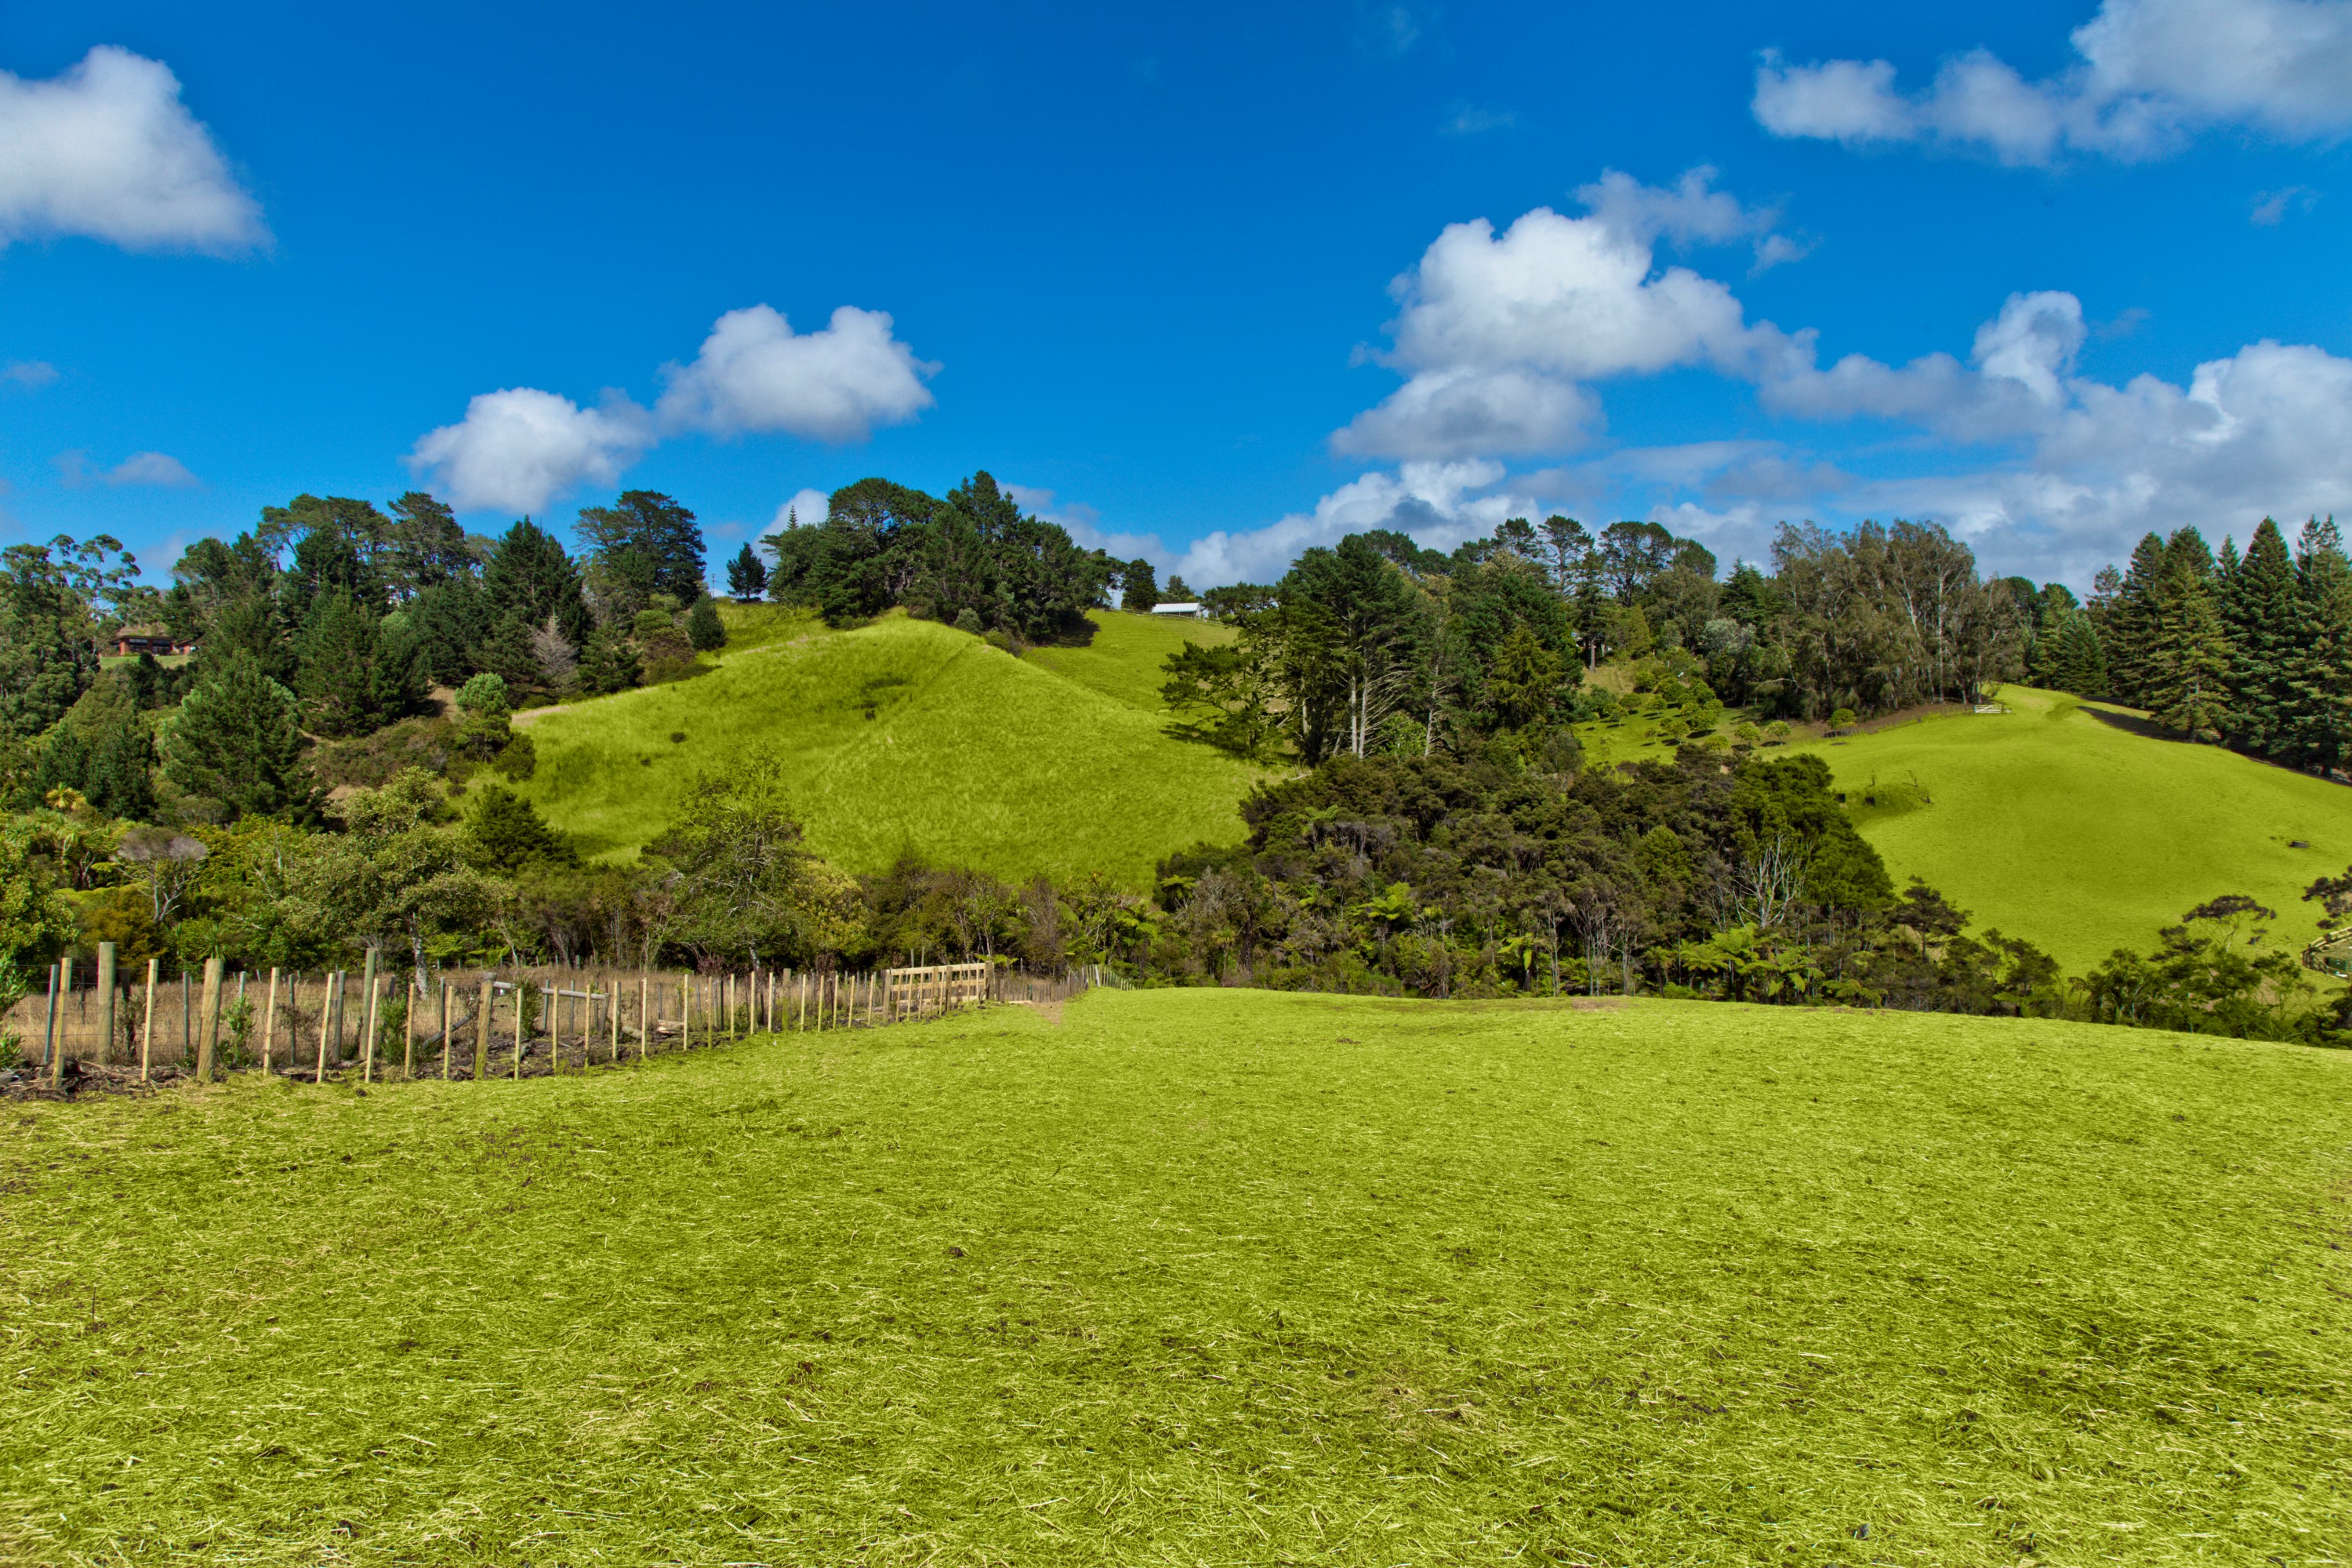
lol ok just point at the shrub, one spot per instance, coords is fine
(703, 628)
(485, 696)
(967, 620)
(1843, 719)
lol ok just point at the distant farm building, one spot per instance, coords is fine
(1190, 611)
(151, 639)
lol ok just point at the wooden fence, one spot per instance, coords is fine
(466, 1023)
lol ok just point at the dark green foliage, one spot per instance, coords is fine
(703, 629)
(424, 546)
(649, 541)
(505, 833)
(449, 620)
(2317, 732)
(883, 545)
(47, 659)
(2259, 611)
(747, 574)
(1219, 695)
(236, 742)
(2129, 628)
(337, 543)
(529, 579)
(2216, 973)
(103, 749)
(608, 662)
(359, 669)
(1139, 586)
(2077, 663)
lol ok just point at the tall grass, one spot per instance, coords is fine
(2056, 823)
(1206, 1277)
(1125, 658)
(902, 735)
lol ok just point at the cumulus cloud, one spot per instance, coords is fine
(806, 506)
(755, 375)
(519, 447)
(107, 151)
(29, 375)
(1438, 504)
(2147, 74)
(1496, 332)
(155, 470)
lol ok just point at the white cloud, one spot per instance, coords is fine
(28, 374)
(142, 469)
(755, 375)
(807, 507)
(1497, 330)
(2147, 74)
(1439, 504)
(519, 447)
(107, 150)
(1468, 121)
(2271, 207)
(1473, 413)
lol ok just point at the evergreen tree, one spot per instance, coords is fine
(103, 749)
(703, 627)
(46, 657)
(747, 576)
(236, 742)
(1139, 586)
(450, 621)
(2129, 632)
(2185, 678)
(2077, 664)
(2319, 664)
(661, 537)
(529, 578)
(608, 662)
(356, 674)
(2260, 604)
(505, 833)
(424, 546)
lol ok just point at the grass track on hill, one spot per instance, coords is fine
(967, 755)
(2050, 823)
(1125, 658)
(1206, 1277)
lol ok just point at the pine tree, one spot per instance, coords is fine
(357, 675)
(2320, 661)
(236, 742)
(703, 627)
(2259, 607)
(2184, 672)
(747, 575)
(2077, 663)
(530, 577)
(2130, 629)
(102, 748)
(608, 662)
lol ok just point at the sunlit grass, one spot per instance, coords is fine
(1205, 1276)
(902, 735)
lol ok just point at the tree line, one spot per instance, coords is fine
(2251, 651)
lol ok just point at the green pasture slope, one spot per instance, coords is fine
(1125, 659)
(2054, 823)
(1206, 1277)
(902, 734)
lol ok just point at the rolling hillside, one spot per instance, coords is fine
(2060, 822)
(1124, 661)
(907, 734)
(1206, 1277)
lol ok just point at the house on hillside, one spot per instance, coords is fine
(150, 637)
(1188, 611)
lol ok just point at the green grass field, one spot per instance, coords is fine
(2051, 824)
(1125, 658)
(901, 735)
(1207, 1278)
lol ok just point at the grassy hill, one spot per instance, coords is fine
(904, 735)
(1206, 1277)
(1125, 658)
(2060, 821)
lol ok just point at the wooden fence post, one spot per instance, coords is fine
(147, 1028)
(516, 1074)
(270, 1025)
(106, 989)
(409, 987)
(644, 1014)
(51, 1056)
(445, 1028)
(326, 1016)
(482, 1031)
(612, 1006)
(367, 1020)
(686, 1012)
(208, 1021)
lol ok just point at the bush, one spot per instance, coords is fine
(484, 696)
(967, 620)
(703, 628)
(1841, 720)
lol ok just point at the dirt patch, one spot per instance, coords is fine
(81, 1079)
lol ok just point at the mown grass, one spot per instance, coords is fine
(1206, 1277)
(1125, 659)
(2053, 823)
(901, 735)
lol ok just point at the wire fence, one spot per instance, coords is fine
(510, 1022)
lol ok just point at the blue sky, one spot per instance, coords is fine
(1211, 283)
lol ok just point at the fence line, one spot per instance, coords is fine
(506, 1022)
